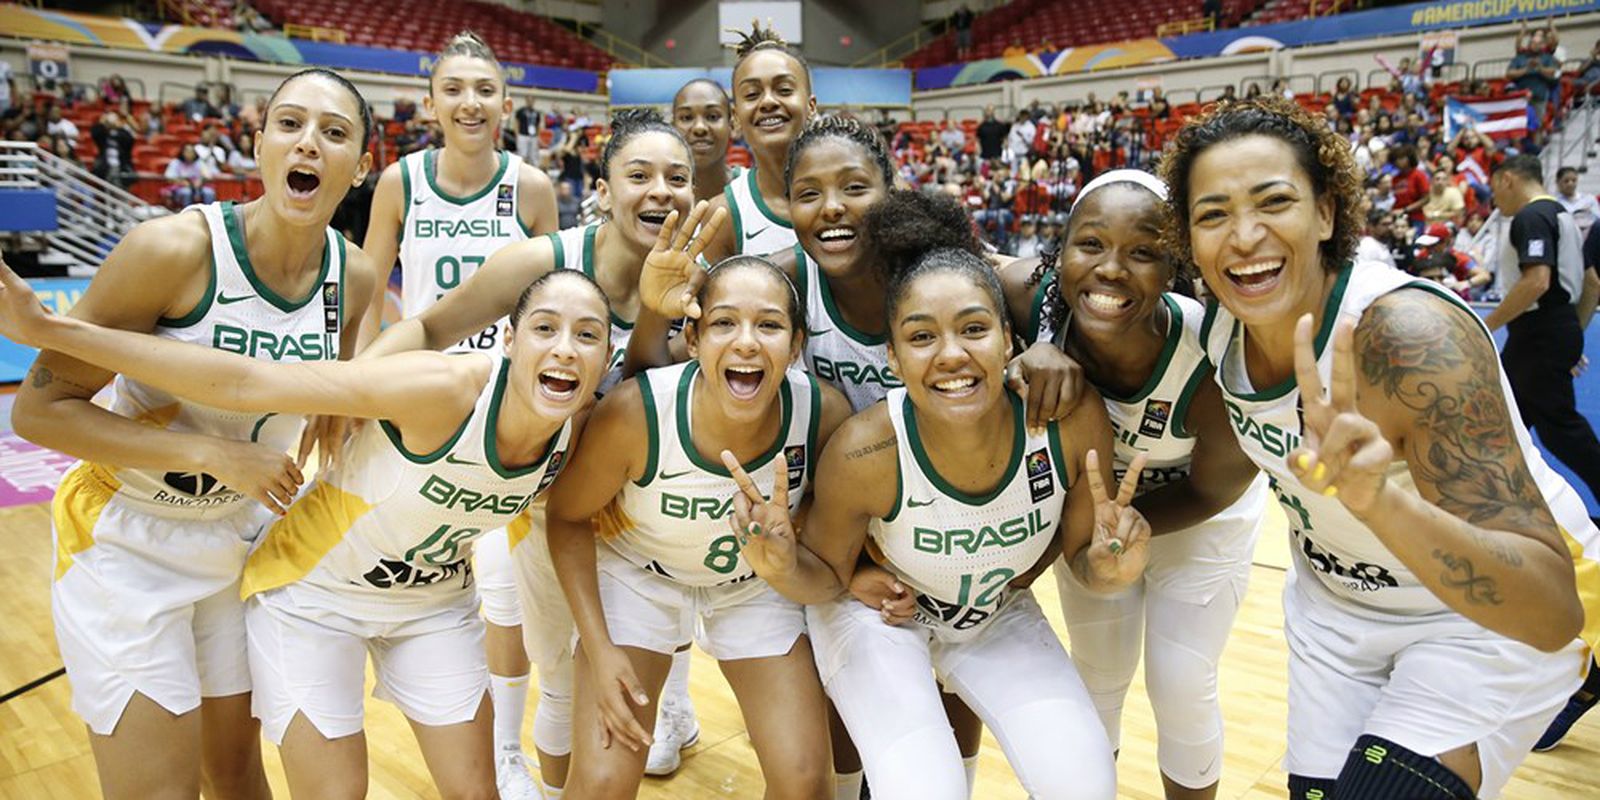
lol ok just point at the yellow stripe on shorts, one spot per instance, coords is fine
(75, 510)
(294, 545)
(1588, 574)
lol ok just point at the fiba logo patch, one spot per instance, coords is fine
(194, 484)
(794, 457)
(1040, 482)
(557, 458)
(503, 204)
(1156, 415)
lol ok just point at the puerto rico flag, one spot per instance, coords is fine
(1496, 117)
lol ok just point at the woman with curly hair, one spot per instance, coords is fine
(1434, 616)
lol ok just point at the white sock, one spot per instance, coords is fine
(847, 785)
(510, 699)
(551, 792)
(676, 689)
(970, 764)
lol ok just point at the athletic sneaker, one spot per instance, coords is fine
(676, 730)
(512, 778)
(1579, 704)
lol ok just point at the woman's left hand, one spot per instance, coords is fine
(1049, 382)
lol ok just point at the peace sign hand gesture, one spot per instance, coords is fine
(1121, 543)
(1342, 453)
(765, 533)
(672, 274)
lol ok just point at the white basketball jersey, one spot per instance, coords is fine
(574, 249)
(757, 230)
(856, 363)
(239, 314)
(391, 532)
(672, 521)
(1329, 542)
(444, 238)
(959, 551)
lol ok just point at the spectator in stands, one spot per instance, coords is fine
(529, 122)
(1019, 141)
(951, 136)
(63, 127)
(1014, 49)
(252, 21)
(1382, 198)
(242, 161)
(5, 87)
(1445, 203)
(1410, 184)
(1159, 107)
(572, 164)
(1026, 243)
(1281, 87)
(251, 114)
(1229, 94)
(1252, 91)
(114, 140)
(199, 107)
(1345, 99)
(1535, 71)
(1374, 242)
(1582, 206)
(1588, 74)
(993, 213)
(1211, 10)
(66, 150)
(962, 22)
(189, 179)
(211, 149)
(226, 107)
(991, 135)
(113, 89)
(405, 109)
(569, 209)
(1546, 280)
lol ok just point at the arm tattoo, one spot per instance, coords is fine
(40, 377)
(871, 448)
(1440, 365)
(1458, 574)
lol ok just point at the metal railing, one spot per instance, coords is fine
(891, 53)
(315, 33)
(92, 215)
(1179, 27)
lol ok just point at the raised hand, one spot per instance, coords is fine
(617, 691)
(1120, 547)
(328, 435)
(1342, 453)
(672, 274)
(22, 316)
(765, 532)
(876, 587)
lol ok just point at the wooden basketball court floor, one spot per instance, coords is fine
(44, 751)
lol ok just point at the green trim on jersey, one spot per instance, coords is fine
(1207, 321)
(1054, 434)
(394, 439)
(686, 436)
(1330, 314)
(588, 269)
(201, 308)
(430, 169)
(733, 213)
(558, 249)
(800, 270)
(1018, 442)
(405, 200)
(761, 202)
(1036, 308)
(1180, 414)
(899, 489)
(1174, 333)
(814, 427)
(652, 436)
(845, 328)
(491, 450)
(338, 238)
(235, 229)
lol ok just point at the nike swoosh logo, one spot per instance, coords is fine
(810, 332)
(450, 458)
(667, 476)
(419, 201)
(915, 503)
(750, 236)
(223, 299)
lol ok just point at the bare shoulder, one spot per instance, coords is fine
(1020, 284)
(864, 444)
(1412, 334)
(160, 269)
(532, 179)
(835, 410)
(390, 182)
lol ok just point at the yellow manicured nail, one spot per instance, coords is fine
(1303, 462)
(1320, 472)
(1330, 491)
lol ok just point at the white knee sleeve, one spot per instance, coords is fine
(552, 721)
(1105, 632)
(496, 580)
(1183, 647)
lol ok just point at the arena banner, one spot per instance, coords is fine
(834, 86)
(37, 23)
(1413, 18)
